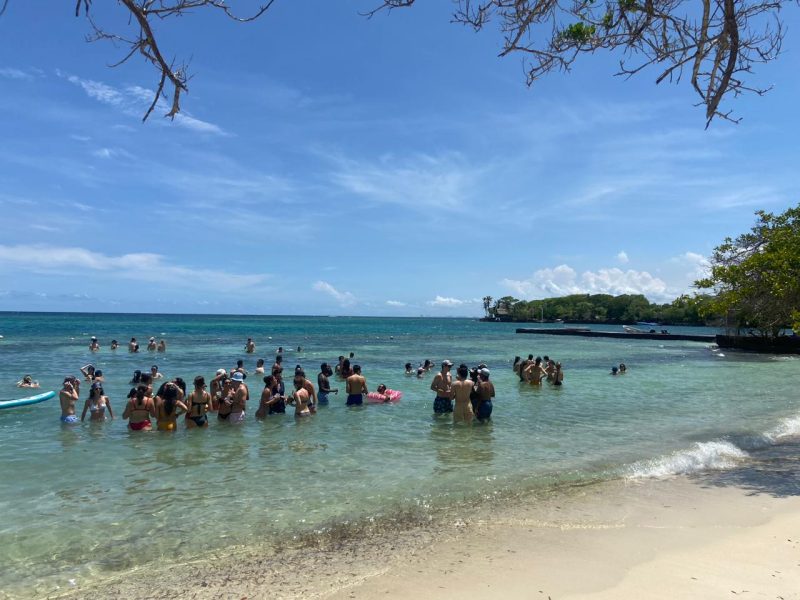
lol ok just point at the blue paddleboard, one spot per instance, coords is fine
(26, 401)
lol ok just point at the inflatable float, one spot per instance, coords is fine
(26, 401)
(387, 396)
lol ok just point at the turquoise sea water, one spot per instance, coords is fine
(92, 501)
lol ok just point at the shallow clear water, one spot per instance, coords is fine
(94, 500)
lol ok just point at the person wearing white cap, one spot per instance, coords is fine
(239, 398)
(151, 344)
(441, 384)
(485, 391)
(94, 345)
(215, 388)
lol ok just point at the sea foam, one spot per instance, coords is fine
(717, 454)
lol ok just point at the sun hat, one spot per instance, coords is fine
(238, 376)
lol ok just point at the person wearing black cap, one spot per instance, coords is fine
(441, 384)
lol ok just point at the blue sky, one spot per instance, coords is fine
(330, 164)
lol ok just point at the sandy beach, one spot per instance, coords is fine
(719, 534)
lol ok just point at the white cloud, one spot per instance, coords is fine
(449, 302)
(140, 266)
(697, 266)
(12, 73)
(622, 257)
(419, 181)
(343, 298)
(135, 100)
(564, 280)
(395, 303)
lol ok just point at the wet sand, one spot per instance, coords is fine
(724, 534)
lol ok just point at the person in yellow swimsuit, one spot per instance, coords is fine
(169, 407)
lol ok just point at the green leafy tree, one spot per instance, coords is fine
(756, 276)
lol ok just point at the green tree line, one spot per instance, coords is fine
(601, 308)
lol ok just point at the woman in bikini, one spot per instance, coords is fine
(97, 403)
(271, 401)
(199, 402)
(139, 410)
(169, 407)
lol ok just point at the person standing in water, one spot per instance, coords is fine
(94, 345)
(198, 403)
(250, 346)
(68, 396)
(441, 384)
(162, 346)
(139, 409)
(324, 383)
(239, 398)
(151, 345)
(300, 374)
(461, 390)
(356, 385)
(485, 394)
(97, 403)
(300, 399)
(168, 407)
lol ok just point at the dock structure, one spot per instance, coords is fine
(585, 332)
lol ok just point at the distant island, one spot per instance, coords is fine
(599, 308)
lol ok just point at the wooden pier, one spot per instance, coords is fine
(585, 332)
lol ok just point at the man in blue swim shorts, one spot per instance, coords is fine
(68, 396)
(441, 384)
(356, 387)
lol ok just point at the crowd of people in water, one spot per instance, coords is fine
(466, 397)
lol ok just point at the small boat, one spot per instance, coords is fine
(646, 324)
(632, 329)
(26, 401)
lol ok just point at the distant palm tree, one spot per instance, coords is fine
(487, 305)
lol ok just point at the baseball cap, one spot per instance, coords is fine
(484, 372)
(447, 363)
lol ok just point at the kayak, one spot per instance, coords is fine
(29, 400)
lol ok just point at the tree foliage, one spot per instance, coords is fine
(714, 42)
(602, 308)
(756, 276)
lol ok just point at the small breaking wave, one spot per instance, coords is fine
(717, 454)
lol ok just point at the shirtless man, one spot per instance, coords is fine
(523, 366)
(277, 366)
(250, 346)
(356, 387)
(162, 346)
(154, 373)
(534, 372)
(68, 396)
(94, 345)
(300, 375)
(133, 346)
(324, 383)
(460, 392)
(151, 345)
(441, 383)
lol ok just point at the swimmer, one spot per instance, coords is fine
(324, 383)
(88, 372)
(27, 382)
(427, 365)
(94, 345)
(239, 368)
(460, 392)
(68, 396)
(300, 399)
(622, 368)
(558, 375)
(383, 391)
(535, 372)
(139, 409)
(409, 369)
(154, 373)
(338, 369)
(278, 364)
(614, 370)
(356, 386)
(441, 384)
(133, 346)
(169, 407)
(250, 346)
(137, 377)
(198, 403)
(97, 404)
(346, 370)
(114, 344)
(300, 375)
(259, 366)
(485, 394)
(151, 345)
(420, 373)
(162, 346)
(238, 399)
